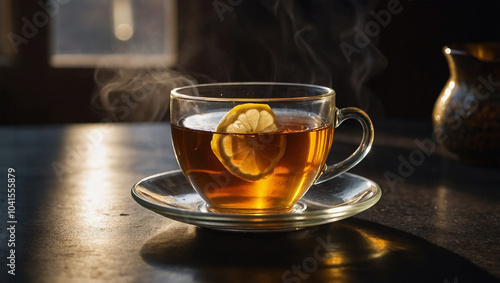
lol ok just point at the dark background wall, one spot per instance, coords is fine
(398, 74)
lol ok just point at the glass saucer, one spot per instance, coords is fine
(169, 194)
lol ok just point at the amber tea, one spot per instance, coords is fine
(304, 141)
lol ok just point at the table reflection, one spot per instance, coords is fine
(351, 250)
(82, 217)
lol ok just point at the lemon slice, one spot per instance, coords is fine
(246, 142)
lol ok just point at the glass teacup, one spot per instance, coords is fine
(257, 148)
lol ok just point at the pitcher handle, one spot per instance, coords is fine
(332, 171)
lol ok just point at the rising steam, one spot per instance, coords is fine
(266, 40)
(369, 62)
(129, 94)
(312, 32)
(295, 59)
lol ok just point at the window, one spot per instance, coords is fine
(113, 33)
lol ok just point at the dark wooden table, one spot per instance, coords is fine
(74, 220)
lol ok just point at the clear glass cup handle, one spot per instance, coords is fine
(332, 171)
